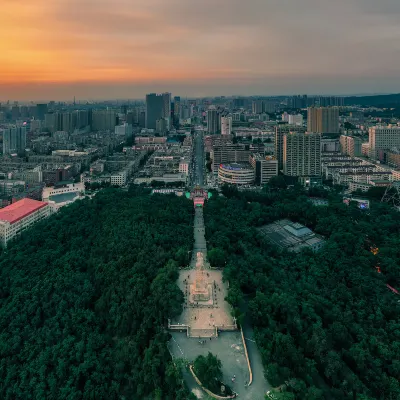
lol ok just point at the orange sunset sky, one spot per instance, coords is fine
(56, 49)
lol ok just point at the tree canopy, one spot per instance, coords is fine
(209, 370)
(325, 321)
(85, 296)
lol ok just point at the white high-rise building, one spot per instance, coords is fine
(14, 140)
(226, 125)
(302, 154)
(383, 138)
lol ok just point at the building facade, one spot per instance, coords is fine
(19, 216)
(212, 121)
(280, 131)
(302, 154)
(14, 140)
(323, 119)
(236, 174)
(265, 167)
(383, 138)
(226, 125)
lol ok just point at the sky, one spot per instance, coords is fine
(108, 49)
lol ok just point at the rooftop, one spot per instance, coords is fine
(63, 197)
(20, 209)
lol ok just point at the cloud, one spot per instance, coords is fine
(225, 46)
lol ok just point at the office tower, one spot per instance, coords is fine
(104, 120)
(154, 109)
(166, 110)
(41, 110)
(383, 138)
(280, 131)
(302, 154)
(265, 167)
(323, 119)
(226, 125)
(257, 106)
(14, 140)
(177, 107)
(212, 121)
(124, 109)
(350, 145)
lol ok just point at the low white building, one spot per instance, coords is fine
(119, 178)
(62, 194)
(21, 215)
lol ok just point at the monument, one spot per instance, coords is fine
(201, 289)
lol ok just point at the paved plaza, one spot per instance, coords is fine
(203, 316)
(228, 347)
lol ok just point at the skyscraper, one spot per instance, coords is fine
(14, 140)
(302, 154)
(157, 106)
(323, 119)
(177, 107)
(212, 120)
(280, 131)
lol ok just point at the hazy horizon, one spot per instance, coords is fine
(126, 48)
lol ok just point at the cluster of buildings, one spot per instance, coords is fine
(169, 161)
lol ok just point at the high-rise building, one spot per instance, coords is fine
(302, 154)
(323, 119)
(383, 138)
(41, 110)
(104, 120)
(177, 107)
(226, 125)
(14, 140)
(154, 109)
(350, 145)
(280, 131)
(212, 120)
(166, 110)
(257, 106)
(265, 167)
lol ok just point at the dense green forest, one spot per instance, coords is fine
(84, 299)
(325, 322)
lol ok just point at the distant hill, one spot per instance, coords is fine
(384, 100)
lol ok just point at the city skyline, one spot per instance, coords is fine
(125, 49)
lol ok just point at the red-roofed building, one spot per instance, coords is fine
(19, 216)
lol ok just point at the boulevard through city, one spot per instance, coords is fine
(201, 337)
